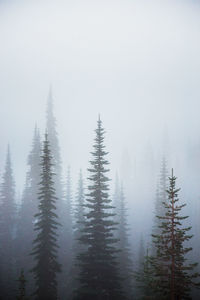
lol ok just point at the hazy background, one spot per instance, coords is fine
(136, 63)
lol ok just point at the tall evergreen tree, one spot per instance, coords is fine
(55, 148)
(28, 208)
(46, 225)
(173, 275)
(161, 196)
(65, 278)
(99, 276)
(62, 205)
(7, 231)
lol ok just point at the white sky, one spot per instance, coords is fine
(137, 63)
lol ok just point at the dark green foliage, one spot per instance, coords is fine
(45, 245)
(22, 287)
(144, 276)
(173, 276)
(7, 231)
(99, 277)
(28, 208)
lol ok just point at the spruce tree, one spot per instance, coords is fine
(46, 225)
(22, 286)
(55, 148)
(173, 275)
(7, 231)
(161, 196)
(62, 206)
(99, 275)
(28, 208)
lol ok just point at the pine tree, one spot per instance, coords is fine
(46, 225)
(28, 208)
(161, 196)
(99, 276)
(7, 231)
(173, 276)
(22, 286)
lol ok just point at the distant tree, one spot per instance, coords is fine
(79, 219)
(161, 196)
(55, 149)
(99, 275)
(173, 276)
(7, 231)
(22, 287)
(45, 244)
(27, 210)
(66, 284)
(144, 276)
(79, 208)
(124, 255)
(62, 205)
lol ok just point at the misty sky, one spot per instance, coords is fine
(137, 63)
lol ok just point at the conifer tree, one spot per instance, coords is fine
(65, 278)
(62, 206)
(161, 196)
(144, 276)
(55, 148)
(99, 276)
(173, 275)
(28, 208)
(46, 225)
(79, 208)
(7, 231)
(22, 286)
(79, 218)
(124, 255)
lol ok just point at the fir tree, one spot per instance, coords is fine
(99, 277)
(161, 196)
(45, 245)
(55, 148)
(7, 231)
(28, 208)
(173, 276)
(22, 286)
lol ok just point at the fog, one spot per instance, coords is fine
(136, 63)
